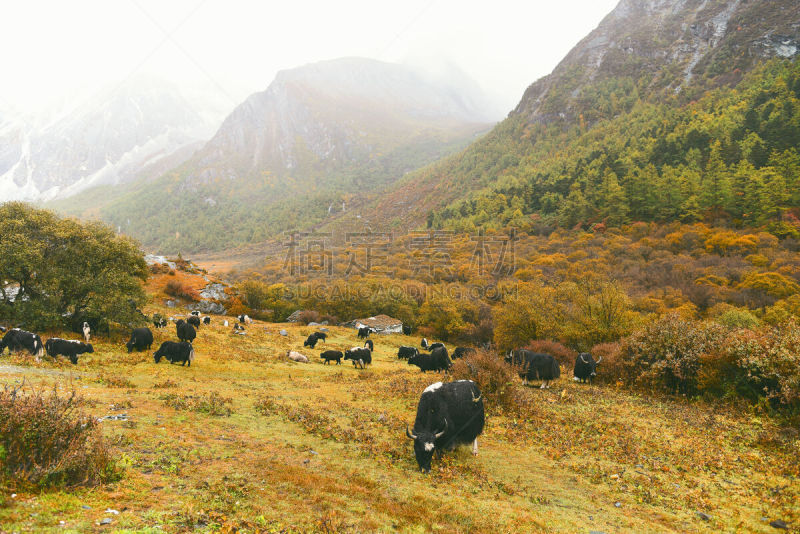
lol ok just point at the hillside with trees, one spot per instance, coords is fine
(668, 111)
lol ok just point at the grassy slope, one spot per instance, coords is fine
(331, 453)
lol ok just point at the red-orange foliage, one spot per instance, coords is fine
(176, 288)
(496, 379)
(610, 369)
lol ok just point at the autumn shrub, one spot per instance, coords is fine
(47, 440)
(611, 368)
(309, 316)
(738, 318)
(769, 364)
(178, 289)
(770, 283)
(479, 334)
(236, 307)
(160, 268)
(564, 355)
(783, 310)
(330, 319)
(720, 375)
(496, 379)
(666, 355)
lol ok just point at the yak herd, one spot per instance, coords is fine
(448, 414)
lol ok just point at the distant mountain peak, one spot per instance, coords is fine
(106, 139)
(671, 41)
(338, 110)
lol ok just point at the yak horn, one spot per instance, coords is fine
(409, 434)
(440, 434)
(473, 397)
(583, 359)
(599, 360)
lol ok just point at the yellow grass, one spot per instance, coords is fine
(322, 448)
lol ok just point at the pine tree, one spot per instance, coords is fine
(615, 206)
(716, 188)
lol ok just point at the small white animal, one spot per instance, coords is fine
(86, 332)
(296, 356)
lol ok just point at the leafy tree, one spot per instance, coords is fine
(64, 270)
(595, 311)
(527, 315)
(443, 315)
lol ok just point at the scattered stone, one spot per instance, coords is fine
(116, 417)
(618, 504)
(86, 507)
(207, 306)
(313, 452)
(615, 476)
(324, 329)
(111, 511)
(171, 304)
(105, 521)
(284, 333)
(640, 466)
(780, 524)
(13, 495)
(704, 517)
(382, 418)
(152, 259)
(596, 532)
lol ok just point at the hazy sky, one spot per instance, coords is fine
(233, 47)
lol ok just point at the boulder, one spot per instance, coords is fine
(214, 292)
(207, 306)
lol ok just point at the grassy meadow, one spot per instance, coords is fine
(245, 440)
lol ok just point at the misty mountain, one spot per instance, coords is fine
(330, 115)
(313, 143)
(577, 136)
(106, 140)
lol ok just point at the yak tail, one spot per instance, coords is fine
(40, 350)
(556, 369)
(191, 355)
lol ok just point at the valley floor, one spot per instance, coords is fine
(247, 439)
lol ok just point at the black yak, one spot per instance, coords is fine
(175, 352)
(332, 355)
(56, 346)
(448, 415)
(585, 367)
(141, 339)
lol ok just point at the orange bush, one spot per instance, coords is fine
(176, 288)
(47, 440)
(610, 369)
(496, 379)
(309, 316)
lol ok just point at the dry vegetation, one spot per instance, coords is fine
(245, 439)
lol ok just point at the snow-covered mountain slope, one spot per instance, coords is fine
(106, 140)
